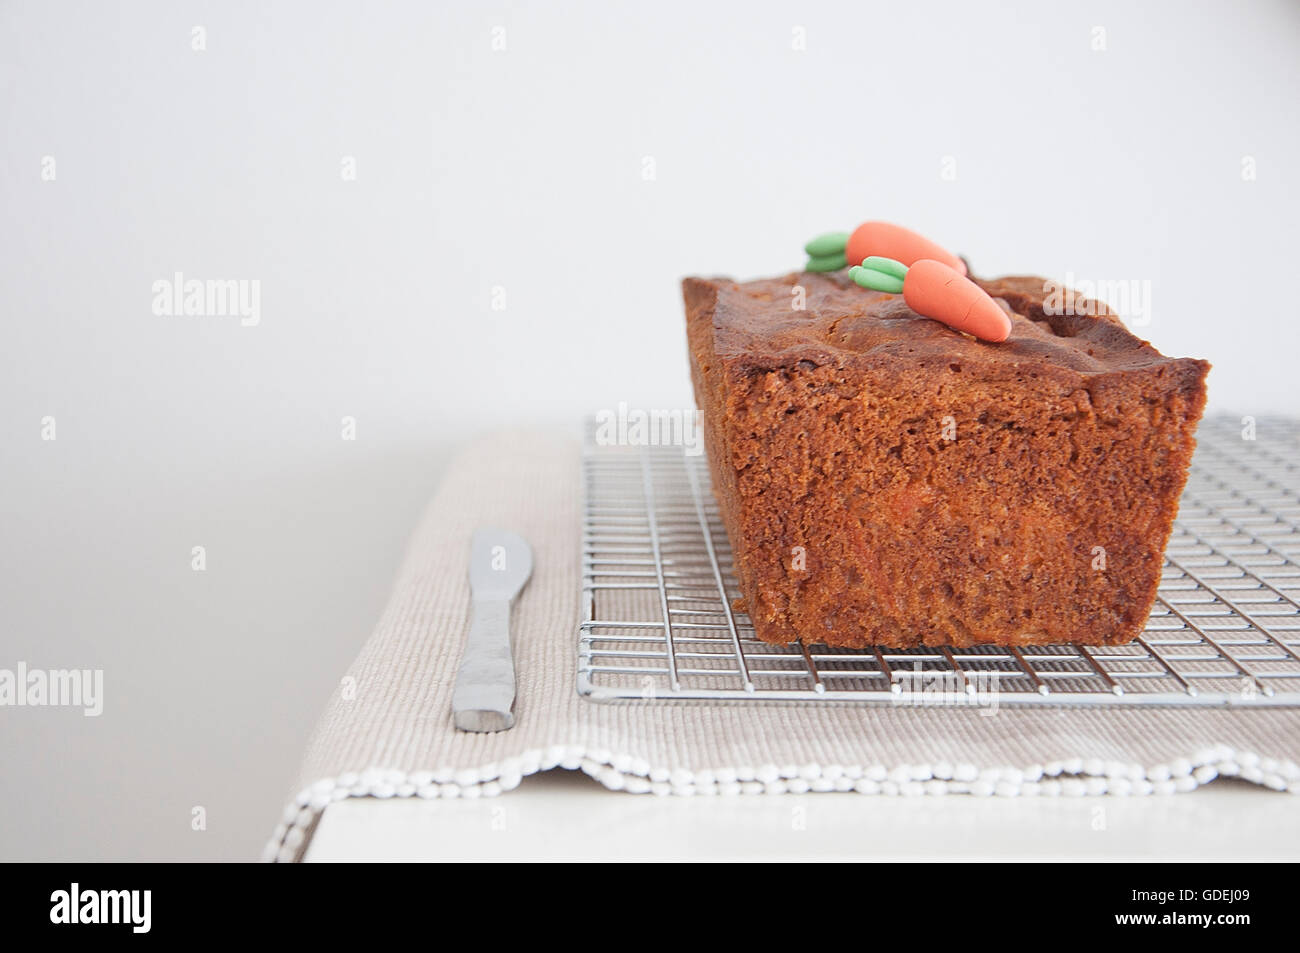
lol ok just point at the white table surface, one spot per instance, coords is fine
(564, 815)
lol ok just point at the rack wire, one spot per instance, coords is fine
(658, 622)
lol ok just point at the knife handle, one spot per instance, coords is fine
(485, 684)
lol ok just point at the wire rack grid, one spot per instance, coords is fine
(658, 622)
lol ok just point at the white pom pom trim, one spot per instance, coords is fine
(619, 772)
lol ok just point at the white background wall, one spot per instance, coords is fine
(521, 168)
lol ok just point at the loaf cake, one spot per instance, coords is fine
(887, 480)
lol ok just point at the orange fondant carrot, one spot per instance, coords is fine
(885, 240)
(935, 290)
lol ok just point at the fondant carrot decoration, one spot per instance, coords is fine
(935, 290)
(832, 251)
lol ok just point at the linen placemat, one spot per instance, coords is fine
(387, 730)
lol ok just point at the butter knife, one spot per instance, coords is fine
(500, 564)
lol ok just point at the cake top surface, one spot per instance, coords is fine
(757, 326)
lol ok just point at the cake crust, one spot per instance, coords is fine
(885, 480)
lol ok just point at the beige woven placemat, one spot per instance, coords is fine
(387, 731)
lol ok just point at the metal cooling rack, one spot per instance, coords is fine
(657, 587)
